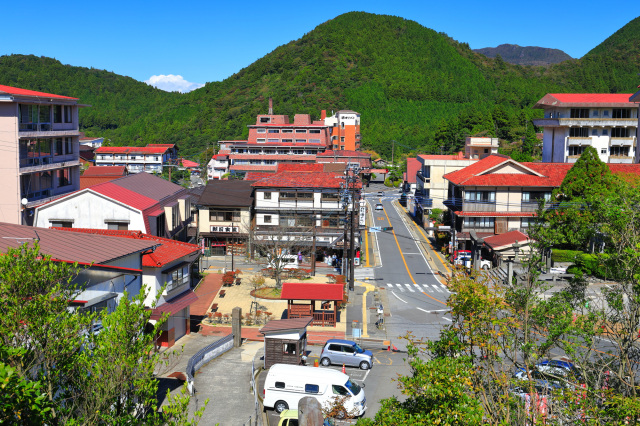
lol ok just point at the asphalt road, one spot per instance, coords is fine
(417, 297)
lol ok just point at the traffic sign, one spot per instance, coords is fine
(444, 228)
(375, 229)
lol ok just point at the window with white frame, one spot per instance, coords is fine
(579, 132)
(526, 222)
(267, 195)
(301, 130)
(287, 130)
(479, 222)
(576, 150)
(535, 196)
(603, 151)
(621, 151)
(261, 130)
(621, 113)
(480, 196)
(274, 130)
(301, 141)
(314, 131)
(267, 218)
(261, 140)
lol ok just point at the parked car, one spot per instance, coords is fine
(380, 193)
(290, 418)
(285, 385)
(549, 368)
(379, 206)
(347, 352)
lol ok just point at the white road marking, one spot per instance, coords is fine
(447, 319)
(410, 288)
(403, 301)
(400, 287)
(423, 310)
(437, 288)
(389, 285)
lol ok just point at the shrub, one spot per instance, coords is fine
(569, 256)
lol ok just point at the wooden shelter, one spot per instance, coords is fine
(285, 341)
(329, 295)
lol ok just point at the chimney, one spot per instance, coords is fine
(270, 106)
(323, 114)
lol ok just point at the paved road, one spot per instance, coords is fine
(417, 296)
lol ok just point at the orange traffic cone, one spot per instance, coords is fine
(315, 363)
(344, 371)
(394, 348)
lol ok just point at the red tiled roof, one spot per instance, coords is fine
(300, 167)
(124, 195)
(247, 167)
(344, 153)
(413, 165)
(297, 157)
(257, 175)
(495, 214)
(584, 99)
(89, 181)
(131, 150)
(506, 239)
(548, 175)
(189, 163)
(302, 179)
(95, 171)
(166, 252)
(380, 171)
(24, 92)
(162, 145)
(312, 291)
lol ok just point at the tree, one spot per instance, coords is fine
(576, 205)
(53, 358)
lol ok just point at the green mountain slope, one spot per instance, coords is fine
(525, 55)
(411, 84)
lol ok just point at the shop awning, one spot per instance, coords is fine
(174, 305)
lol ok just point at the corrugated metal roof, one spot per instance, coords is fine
(148, 185)
(508, 238)
(24, 92)
(286, 324)
(230, 193)
(70, 246)
(101, 171)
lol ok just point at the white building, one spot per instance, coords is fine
(218, 166)
(40, 154)
(137, 159)
(573, 121)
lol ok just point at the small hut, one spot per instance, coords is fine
(285, 341)
(329, 296)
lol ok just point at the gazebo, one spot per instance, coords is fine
(328, 294)
(285, 341)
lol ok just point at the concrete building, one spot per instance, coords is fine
(345, 130)
(572, 121)
(218, 166)
(40, 158)
(149, 158)
(140, 202)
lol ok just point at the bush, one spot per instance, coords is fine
(396, 184)
(569, 256)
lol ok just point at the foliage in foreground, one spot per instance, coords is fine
(56, 370)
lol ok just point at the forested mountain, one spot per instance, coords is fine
(411, 84)
(525, 55)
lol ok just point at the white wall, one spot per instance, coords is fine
(88, 209)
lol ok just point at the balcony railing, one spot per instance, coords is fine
(479, 206)
(620, 159)
(572, 140)
(424, 202)
(631, 141)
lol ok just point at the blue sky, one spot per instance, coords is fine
(181, 45)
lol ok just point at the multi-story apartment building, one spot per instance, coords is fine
(303, 201)
(497, 194)
(245, 156)
(40, 160)
(150, 158)
(345, 129)
(572, 121)
(431, 187)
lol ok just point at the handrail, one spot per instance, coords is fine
(204, 355)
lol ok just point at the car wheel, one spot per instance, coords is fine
(280, 406)
(364, 365)
(325, 362)
(485, 267)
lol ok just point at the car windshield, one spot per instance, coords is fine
(353, 387)
(358, 348)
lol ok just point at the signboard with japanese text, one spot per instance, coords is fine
(225, 229)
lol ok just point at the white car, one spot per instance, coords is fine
(379, 206)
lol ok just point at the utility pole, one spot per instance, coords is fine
(313, 248)
(347, 195)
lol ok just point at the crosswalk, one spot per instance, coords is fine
(412, 288)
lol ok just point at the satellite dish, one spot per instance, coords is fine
(24, 201)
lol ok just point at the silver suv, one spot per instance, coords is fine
(347, 352)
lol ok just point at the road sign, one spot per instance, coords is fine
(444, 228)
(375, 229)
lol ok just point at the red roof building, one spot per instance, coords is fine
(572, 121)
(150, 158)
(95, 175)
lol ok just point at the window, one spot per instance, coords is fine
(272, 140)
(175, 217)
(605, 113)
(314, 140)
(287, 140)
(480, 196)
(64, 177)
(340, 390)
(301, 141)
(329, 196)
(267, 195)
(603, 151)
(620, 132)
(478, 222)
(254, 151)
(594, 132)
(579, 113)
(289, 348)
(279, 385)
(216, 215)
(622, 151)
(261, 130)
(287, 130)
(118, 226)
(301, 130)
(160, 225)
(330, 222)
(526, 222)
(294, 221)
(621, 113)
(535, 196)
(341, 138)
(311, 388)
(314, 131)
(267, 218)
(261, 140)
(68, 117)
(576, 150)
(578, 132)
(595, 112)
(342, 125)
(61, 223)
(68, 147)
(605, 132)
(57, 113)
(288, 195)
(305, 196)
(45, 114)
(265, 119)
(274, 130)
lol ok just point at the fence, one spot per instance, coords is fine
(205, 355)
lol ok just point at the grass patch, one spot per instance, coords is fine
(266, 293)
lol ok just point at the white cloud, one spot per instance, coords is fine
(172, 83)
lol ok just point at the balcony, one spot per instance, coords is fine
(424, 202)
(575, 141)
(40, 164)
(631, 141)
(620, 159)
(586, 122)
(423, 178)
(478, 206)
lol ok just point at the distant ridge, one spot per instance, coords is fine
(525, 55)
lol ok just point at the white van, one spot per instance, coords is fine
(288, 261)
(286, 384)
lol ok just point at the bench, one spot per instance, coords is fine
(222, 293)
(214, 307)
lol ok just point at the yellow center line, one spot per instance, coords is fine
(405, 261)
(368, 287)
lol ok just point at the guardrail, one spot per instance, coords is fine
(204, 355)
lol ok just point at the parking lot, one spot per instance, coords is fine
(378, 381)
